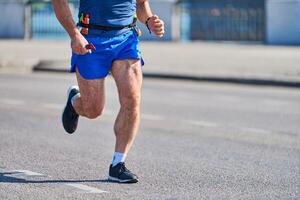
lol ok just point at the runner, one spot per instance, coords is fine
(107, 42)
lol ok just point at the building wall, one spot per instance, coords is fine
(281, 21)
(12, 23)
(223, 20)
(45, 24)
(165, 10)
(283, 26)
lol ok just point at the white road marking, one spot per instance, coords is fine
(26, 173)
(20, 173)
(227, 98)
(273, 102)
(23, 172)
(108, 112)
(144, 116)
(52, 106)
(14, 102)
(256, 130)
(202, 123)
(86, 188)
(152, 117)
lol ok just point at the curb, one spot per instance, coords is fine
(232, 80)
(198, 78)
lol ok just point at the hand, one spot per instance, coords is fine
(79, 43)
(156, 26)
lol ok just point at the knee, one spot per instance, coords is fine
(93, 112)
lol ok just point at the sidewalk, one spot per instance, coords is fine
(220, 62)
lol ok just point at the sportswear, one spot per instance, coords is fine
(98, 64)
(69, 115)
(108, 13)
(121, 174)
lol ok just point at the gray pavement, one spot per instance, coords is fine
(197, 141)
(217, 62)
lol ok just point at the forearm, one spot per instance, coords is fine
(64, 16)
(143, 10)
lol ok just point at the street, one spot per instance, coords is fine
(196, 141)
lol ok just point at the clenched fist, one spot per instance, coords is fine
(78, 44)
(156, 26)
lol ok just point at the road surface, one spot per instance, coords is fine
(197, 141)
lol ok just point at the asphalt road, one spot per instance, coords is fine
(197, 141)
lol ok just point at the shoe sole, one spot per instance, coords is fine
(110, 178)
(68, 94)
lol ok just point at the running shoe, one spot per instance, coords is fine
(69, 115)
(121, 174)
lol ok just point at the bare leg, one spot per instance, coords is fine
(90, 104)
(128, 78)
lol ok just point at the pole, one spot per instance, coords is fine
(27, 20)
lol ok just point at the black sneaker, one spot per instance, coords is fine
(121, 174)
(69, 115)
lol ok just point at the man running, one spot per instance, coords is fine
(107, 43)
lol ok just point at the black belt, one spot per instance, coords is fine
(106, 28)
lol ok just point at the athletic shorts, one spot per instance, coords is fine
(98, 64)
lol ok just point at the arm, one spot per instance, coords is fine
(144, 12)
(64, 16)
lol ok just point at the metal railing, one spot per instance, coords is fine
(223, 20)
(200, 20)
(43, 20)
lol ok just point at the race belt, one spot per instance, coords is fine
(106, 28)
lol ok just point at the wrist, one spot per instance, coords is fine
(74, 33)
(147, 24)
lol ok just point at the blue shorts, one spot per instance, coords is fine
(98, 64)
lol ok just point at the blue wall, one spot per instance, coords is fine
(283, 26)
(164, 9)
(45, 24)
(12, 23)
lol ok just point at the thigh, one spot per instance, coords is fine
(91, 91)
(128, 77)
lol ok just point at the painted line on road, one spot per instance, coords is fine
(227, 98)
(202, 123)
(86, 188)
(272, 102)
(22, 172)
(144, 116)
(13, 102)
(56, 106)
(256, 130)
(27, 173)
(108, 112)
(152, 117)
(52, 106)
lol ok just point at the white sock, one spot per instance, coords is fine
(74, 98)
(117, 158)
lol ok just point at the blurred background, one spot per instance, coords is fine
(263, 21)
(220, 106)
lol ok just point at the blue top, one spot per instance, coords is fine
(108, 13)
